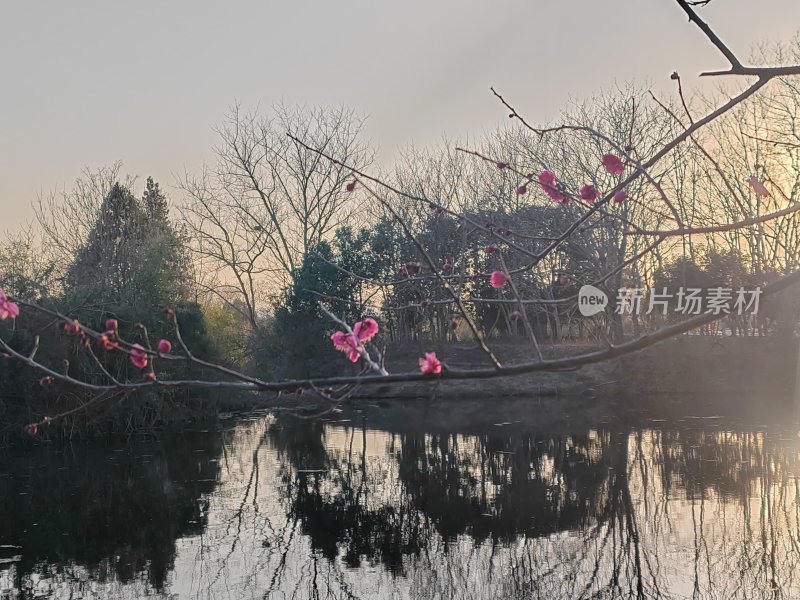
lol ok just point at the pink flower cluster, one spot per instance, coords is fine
(588, 192)
(8, 309)
(363, 331)
(139, 356)
(351, 344)
(109, 340)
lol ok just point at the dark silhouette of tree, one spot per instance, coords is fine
(299, 343)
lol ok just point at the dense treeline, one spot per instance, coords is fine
(133, 266)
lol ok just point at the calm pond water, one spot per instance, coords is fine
(275, 507)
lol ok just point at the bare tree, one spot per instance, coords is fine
(66, 218)
(256, 214)
(26, 271)
(758, 138)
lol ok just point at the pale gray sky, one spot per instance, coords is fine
(86, 83)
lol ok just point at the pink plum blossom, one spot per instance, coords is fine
(498, 279)
(164, 346)
(112, 325)
(522, 190)
(138, 356)
(363, 331)
(348, 344)
(589, 193)
(108, 340)
(758, 186)
(7, 307)
(620, 196)
(613, 164)
(490, 249)
(547, 179)
(429, 364)
(366, 329)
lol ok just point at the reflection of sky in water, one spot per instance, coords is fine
(307, 510)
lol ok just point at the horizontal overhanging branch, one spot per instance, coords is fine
(555, 365)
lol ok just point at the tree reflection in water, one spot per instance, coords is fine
(628, 513)
(331, 510)
(94, 516)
